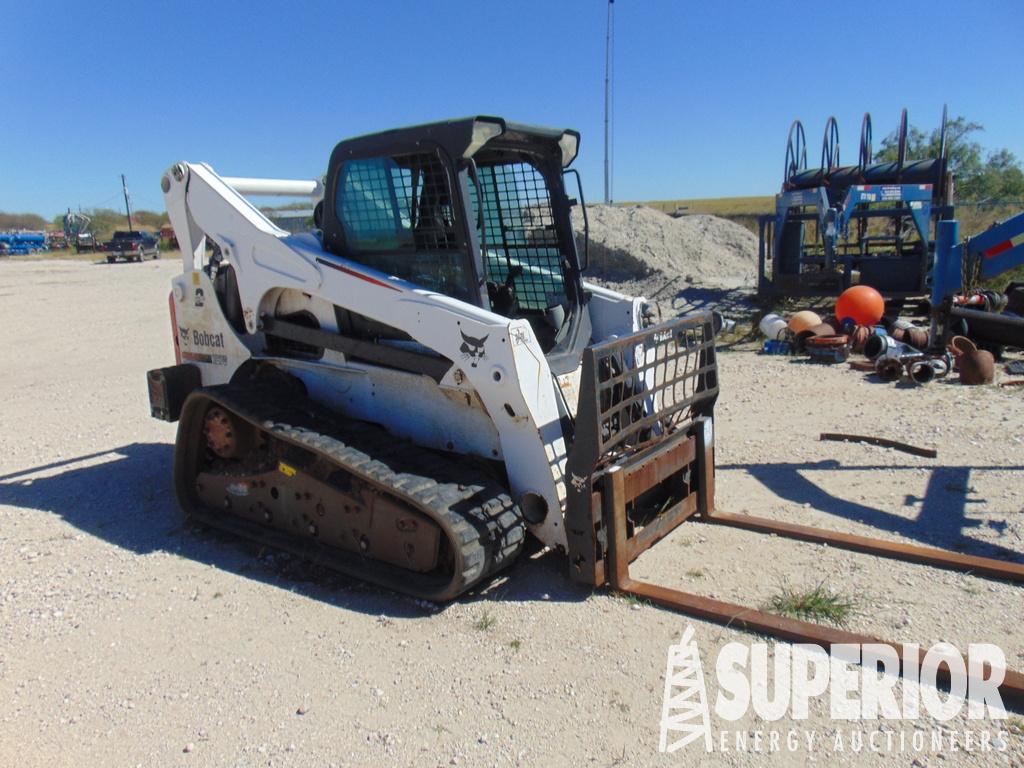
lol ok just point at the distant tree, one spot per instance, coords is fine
(997, 176)
(149, 219)
(21, 221)
(1001, 178)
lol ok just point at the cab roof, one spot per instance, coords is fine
(462, 138)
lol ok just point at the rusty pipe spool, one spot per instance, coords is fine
(916, 337)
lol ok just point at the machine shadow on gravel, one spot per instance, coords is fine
(942, 522)
(734, 303)
(125, 496)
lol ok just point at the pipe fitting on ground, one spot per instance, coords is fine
(886, 347)
(922, 372)
(889, 369)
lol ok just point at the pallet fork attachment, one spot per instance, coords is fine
(667, 445)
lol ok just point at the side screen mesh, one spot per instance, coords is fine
(374, 216)
(394, 202)
(519, 227)
(398, 217)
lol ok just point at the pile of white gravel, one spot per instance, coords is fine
(636, 242)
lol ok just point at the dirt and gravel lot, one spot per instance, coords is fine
(130, 638)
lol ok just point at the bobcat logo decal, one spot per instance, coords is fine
(473, 349)
(183, 334)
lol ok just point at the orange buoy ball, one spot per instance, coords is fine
(803, 321)
(862, 304)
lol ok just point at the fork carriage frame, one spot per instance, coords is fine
(623, 452)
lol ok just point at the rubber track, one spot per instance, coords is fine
(480, 516)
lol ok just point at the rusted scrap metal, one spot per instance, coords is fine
(928, 453)
(1015, 383)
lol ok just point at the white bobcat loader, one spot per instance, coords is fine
(406, 392)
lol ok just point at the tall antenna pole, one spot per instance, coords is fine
(127, 205)
(607, 102)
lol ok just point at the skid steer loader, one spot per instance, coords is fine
(406, 392)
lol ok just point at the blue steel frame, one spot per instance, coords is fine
(833, 219)
(995, 251)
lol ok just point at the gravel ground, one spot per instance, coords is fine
(128, 638)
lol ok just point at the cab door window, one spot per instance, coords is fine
(398, 216)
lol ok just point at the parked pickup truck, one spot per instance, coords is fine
(86, 241)
(132, 246)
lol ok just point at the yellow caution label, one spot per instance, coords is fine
(286, 469)
(195, 278)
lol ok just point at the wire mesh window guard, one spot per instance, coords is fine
(398, 217)
(649, 385)
(519, 229)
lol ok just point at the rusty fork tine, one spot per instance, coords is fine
(794, 630)
(912, 553)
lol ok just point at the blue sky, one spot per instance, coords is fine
(704, 92)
